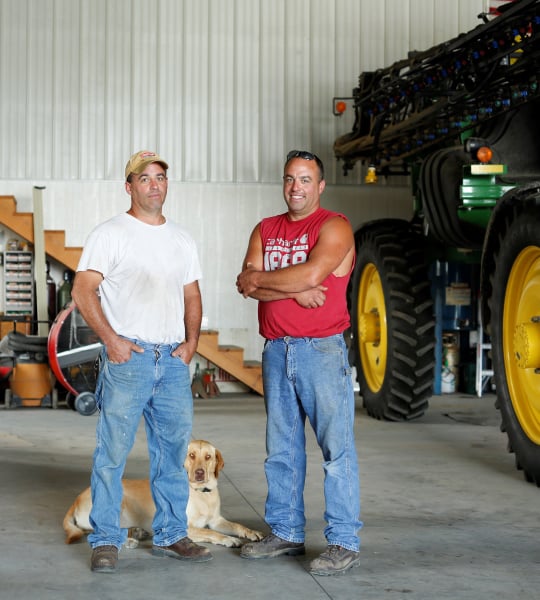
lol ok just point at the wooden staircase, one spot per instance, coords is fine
(231, 360)
(23, 225)
(228, 358)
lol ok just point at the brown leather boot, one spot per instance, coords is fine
(334, 560)
(104, 559)
(184, 549)
(271, 546)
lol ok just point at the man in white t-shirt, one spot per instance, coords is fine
(137, 287)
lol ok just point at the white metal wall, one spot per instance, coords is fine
(221, 88)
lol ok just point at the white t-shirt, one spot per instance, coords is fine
(145, 268)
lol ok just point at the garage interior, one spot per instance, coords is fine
(223, 89)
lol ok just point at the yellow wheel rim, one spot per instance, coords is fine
(521, 340)
(372, 328)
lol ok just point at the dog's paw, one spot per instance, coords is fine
(131, 543)
(230, 542)
(138, 533)
(253, 535)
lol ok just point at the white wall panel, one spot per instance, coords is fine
(271, 81)
(298, 90)
(350, 45)
(396, 27)
(322, 63)
(421, 25)
(221, 87)
(446, 18)
(171, 97)
(92, 68)
(40, 117)
(371, 29)
(146, 60)
(66, 89)
(221, 140)
(196, 90)
(247, 72)
(117, 77)
(14, 92)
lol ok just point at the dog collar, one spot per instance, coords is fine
(205, 490)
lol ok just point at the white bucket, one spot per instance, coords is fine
(448, 381)
(450, 364)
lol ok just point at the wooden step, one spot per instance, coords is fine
(55, 246)
(211, 338)
(22, 223)
(235, 351)
(231, 360)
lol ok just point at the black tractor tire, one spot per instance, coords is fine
(392, 323)
(440, 180)
(515, 334)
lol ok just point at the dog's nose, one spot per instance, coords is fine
(199, 474)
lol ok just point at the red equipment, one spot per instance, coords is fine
(73, 349)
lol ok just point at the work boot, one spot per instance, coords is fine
(271, 546)
(334, 560)
(184, 549)
(104, 559)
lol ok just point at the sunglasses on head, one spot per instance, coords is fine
(305, 155)
(302, 154)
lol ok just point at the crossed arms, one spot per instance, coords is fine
(333, 253)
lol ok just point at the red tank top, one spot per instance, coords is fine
(287, 243)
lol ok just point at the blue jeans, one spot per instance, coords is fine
(310, 377)
(156, 386)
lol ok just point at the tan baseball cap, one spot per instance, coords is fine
(140, 160)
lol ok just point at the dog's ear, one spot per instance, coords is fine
(220, 463)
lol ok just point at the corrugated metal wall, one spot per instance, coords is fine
(221, 88)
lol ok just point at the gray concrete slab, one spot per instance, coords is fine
(446, 515)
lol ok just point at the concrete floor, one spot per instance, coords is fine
(446, 515)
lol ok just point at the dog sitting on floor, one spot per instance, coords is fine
(205, 522)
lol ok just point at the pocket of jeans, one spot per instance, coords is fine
(127, 362)
(181, 360)
(124, 372)
(329, 345)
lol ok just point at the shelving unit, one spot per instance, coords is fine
(18, 283)
(484, 372)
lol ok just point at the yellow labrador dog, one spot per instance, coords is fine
(205, 523)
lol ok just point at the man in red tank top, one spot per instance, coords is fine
(297, 266)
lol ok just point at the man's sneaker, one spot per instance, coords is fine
(334, 560)
(104, 559)
(184, 549)
(271, 546)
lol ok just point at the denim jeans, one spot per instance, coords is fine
(156, 386)
(310, 377)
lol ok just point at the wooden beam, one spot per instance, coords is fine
(40, 260)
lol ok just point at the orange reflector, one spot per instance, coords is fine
(341, 107)
(484, 154)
